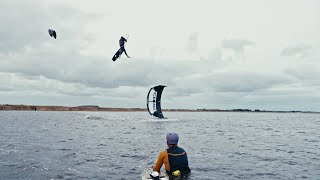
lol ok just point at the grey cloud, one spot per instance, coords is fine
(236, 45)
(233, 81)
(22, 22)
(25, 24)
(307, 74)
(300, 50)
(180, 91)
(6, 88)
(95, 71)
(247, 81)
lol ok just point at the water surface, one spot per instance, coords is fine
(121, 145)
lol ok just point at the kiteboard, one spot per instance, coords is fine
(146, 176)
(117, 55)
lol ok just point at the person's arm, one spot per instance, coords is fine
(159, 163)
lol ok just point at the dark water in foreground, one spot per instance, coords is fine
(108, 145)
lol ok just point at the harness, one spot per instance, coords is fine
(178, 160)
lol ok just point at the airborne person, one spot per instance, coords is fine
(122, 41)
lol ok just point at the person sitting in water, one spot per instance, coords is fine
(174, 158)
(122, 41)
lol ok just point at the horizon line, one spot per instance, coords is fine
(97, 108)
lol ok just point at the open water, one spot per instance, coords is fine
(121, 145)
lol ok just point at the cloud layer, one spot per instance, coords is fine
(204, 64)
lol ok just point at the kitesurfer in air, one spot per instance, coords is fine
(174, 158)
(122, 41)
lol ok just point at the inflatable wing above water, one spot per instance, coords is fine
(154, 101)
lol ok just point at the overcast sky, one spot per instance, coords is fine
(222, 54)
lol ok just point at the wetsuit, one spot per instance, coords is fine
(174, 158)
(122, 41)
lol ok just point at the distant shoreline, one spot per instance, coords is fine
(9, 107)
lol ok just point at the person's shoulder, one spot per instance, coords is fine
(163, 153)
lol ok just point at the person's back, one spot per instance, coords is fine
(178, 159)
(174, 158)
